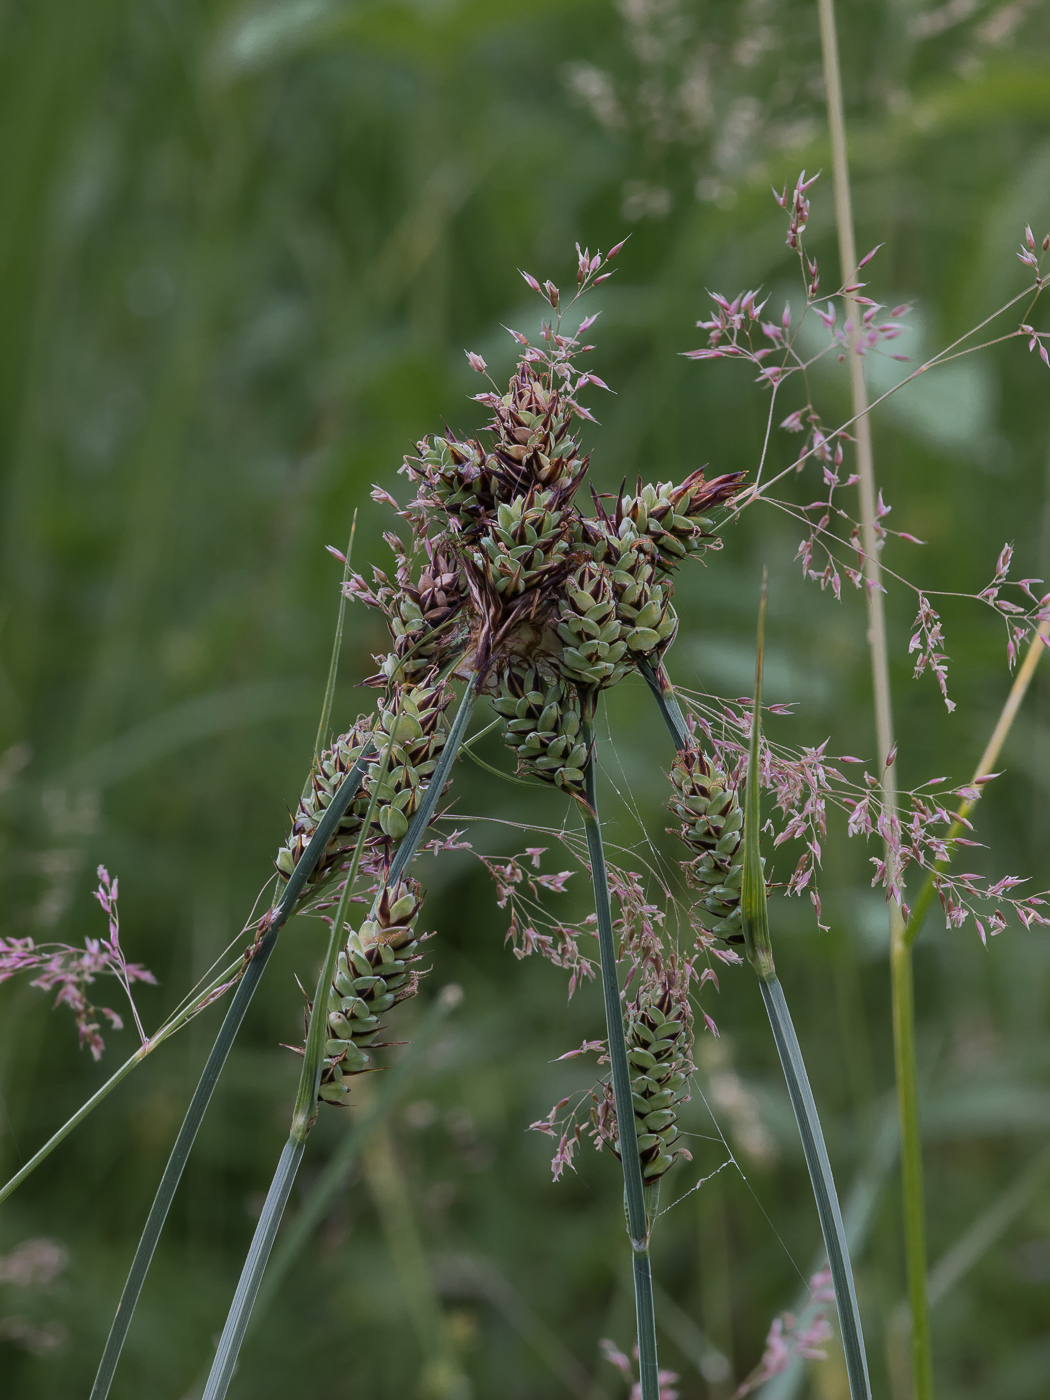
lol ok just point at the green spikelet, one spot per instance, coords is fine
(658, 1039)
(374, 972)
(419, 714)
(594, 648)
(672, 517)
(643, 606)
(523, 544)
(543, 727)
(713, 827)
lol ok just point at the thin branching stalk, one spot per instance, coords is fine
(638, 1223)
(1022, 680)
(760, 955)
(900, 950)
(259, 956)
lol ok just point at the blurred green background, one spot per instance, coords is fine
(242, 251)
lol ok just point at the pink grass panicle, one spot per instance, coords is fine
(69, 971)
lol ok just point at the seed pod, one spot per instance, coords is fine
(713, 828)
(369, 979)
(332, 767)
(458, 479)
(658, 1040)
(593, 646)
(543, 726)
(422, 617)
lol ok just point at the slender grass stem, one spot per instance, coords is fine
(760, 954)
(659, 683)
(638, 1225)
(270, 927)
(900, 948)
(158, 1038)
(337, 645)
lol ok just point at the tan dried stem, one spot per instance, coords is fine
(900, 950)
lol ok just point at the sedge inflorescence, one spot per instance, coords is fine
(507, 583)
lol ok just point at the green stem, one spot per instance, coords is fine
(393, 1084)
(822, 1182)
(755, 911)
(158, 1038)
(638, 1225)
(333, 664)
(260, 954)
(911, 1163)
(659, 683)
(759, 950)
(254, 1267)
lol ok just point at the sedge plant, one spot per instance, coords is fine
(505, 586)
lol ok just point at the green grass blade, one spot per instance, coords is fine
(634, 1189)
(393, 1084)
(337, 644)
(209, 1078)
(759, 951)
(304, 1114)
(254, 1267)
(823, 1184)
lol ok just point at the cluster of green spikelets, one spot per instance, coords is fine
(415, 719)
(658, 1049)
(505, 583)
(708, 806)
(375, 972)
